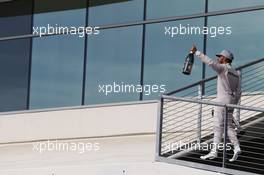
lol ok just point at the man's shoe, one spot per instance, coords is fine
(237, 151)
(211, 155)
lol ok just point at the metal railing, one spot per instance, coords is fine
(182, 140)
(186, 121)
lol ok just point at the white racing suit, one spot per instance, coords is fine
(228, 92)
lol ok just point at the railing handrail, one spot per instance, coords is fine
(198, 101)
(213, 77)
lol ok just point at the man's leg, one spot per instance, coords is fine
(233, 137)
(218, 133)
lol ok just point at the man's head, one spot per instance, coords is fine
(225, 57)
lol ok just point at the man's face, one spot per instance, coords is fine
(222, 59)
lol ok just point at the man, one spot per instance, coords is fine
(228, 92)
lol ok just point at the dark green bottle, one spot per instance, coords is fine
(188, 64)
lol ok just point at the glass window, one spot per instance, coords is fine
(167, 8)
(57, 62)
(58, 5)
(15, 18)
(61, 18)
(15, 25)
(114, 57)
(118, 11)
(246, 40)
(165, 56)
(215, 5)
(14, 74)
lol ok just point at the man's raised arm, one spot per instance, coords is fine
(204, 58)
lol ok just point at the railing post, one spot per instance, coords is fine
(159, 127)
(225, 135)
(199, 121)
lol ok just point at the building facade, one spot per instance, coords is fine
(141, 42)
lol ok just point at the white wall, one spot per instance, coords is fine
(90, 121)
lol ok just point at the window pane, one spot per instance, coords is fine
(57, 62)
(165, 56)
(166, 8)
(15, 18)
(61, 18)
(246, 40)
(58, 5)
(215, 5)
(101, 13)
(114, 56)
(14, 73)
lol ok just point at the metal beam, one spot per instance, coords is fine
(153, 21)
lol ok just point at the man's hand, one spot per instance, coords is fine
(193, 49)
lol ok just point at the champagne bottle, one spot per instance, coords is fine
(188, 64)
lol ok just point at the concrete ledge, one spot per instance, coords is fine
(79, 122)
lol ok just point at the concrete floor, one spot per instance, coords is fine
(128, 155)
